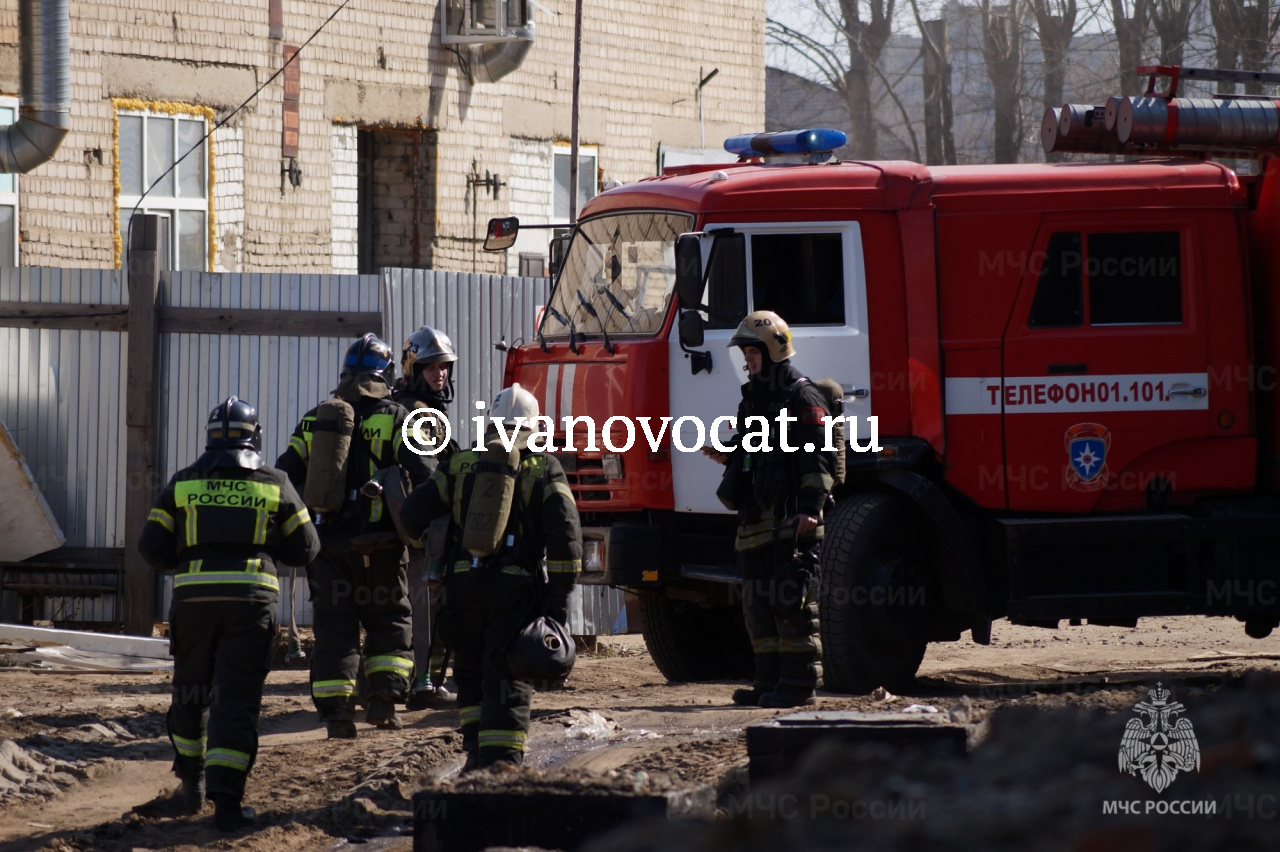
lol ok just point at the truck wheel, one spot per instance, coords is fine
(873, 595)
(690, 642)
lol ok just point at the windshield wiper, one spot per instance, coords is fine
(590, 308)
(573, 334)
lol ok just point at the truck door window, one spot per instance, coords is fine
(800, 276)
(1134, 278)
(727, 282)
(1059, 301)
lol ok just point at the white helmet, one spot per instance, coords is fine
(514, 402)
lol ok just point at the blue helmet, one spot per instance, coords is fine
(369, 356)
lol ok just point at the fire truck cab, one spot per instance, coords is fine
(1058, 378)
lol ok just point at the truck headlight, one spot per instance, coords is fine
(612, 465)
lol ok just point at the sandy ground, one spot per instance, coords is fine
(86, 763)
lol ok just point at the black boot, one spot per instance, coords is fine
(192, 776)
(789, 695)
(341, 729)
(382, 712)
(228, 815)
(750, 697)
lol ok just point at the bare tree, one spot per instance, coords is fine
(1243, 32)
(1172, 22)
(1002, 51)
(1131, 32)
(939, 127)
(1056, 26)
(865, 27)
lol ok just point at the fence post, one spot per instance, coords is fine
(140, 404)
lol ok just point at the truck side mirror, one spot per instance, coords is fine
(501, 234)
(688, 271)
(559, 249)
(691, 328)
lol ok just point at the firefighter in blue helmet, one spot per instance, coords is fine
(223, 524)
(359, 579)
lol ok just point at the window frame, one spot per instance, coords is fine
(167, 206)
(1085, 281)
(563, 149)
(13, 198)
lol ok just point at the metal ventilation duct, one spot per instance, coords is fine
(491, 62)
(44, 39)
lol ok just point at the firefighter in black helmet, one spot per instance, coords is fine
(497, 594)
(426, 382)
(780, 497)
(359, 579)
(223, 524)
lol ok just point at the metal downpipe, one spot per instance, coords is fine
(44, 117)
(491, 62)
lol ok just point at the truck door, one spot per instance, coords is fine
(812, 275)
(1105, 392)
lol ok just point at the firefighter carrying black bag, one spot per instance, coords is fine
(360, 577)
(223, 524)
(513, 509)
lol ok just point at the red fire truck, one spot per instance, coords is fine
(1071, 367)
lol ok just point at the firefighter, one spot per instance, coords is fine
(493, 596)
(223, 524)
(780, 497)
(359, 579)
(426, 381)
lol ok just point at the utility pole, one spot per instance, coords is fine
(573, 132)
(702, 82)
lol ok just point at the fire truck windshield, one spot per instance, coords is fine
(617, 276)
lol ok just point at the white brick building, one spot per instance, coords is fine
(389, 127)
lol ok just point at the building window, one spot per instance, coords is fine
(8, 195)
(587, 181)
(149, 144)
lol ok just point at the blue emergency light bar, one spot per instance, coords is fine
(814, 141)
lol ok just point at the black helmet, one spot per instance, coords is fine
(543, 653)
(234, 425)
(369, 356)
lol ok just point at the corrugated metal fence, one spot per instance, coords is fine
(62, 392)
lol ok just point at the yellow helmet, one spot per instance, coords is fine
(767, 329)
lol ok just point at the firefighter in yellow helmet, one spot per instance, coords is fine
(779, 495)
(223, 524)
(493, 569)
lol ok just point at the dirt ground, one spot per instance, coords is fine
(84, 760)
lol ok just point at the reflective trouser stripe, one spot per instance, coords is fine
(188, 748)
(389, 663)
(767, 645)
(798, 645)
(503, 739)
(333, 688)
(205, 578)
(469, 715)
(229, 758)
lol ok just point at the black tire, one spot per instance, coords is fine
(874, 595)
(690, 642)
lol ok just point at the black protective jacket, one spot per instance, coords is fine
(224, 526)
(543, 520)
(778, 484)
